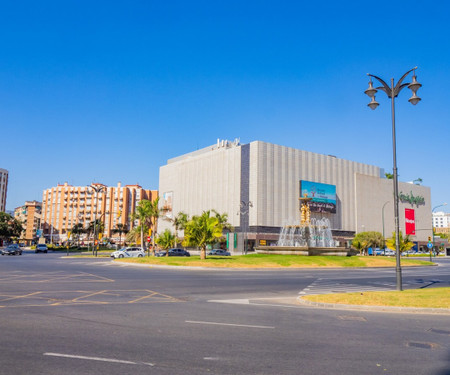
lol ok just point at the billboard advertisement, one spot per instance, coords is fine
(167, 202)
(323, 196)
(410, 222)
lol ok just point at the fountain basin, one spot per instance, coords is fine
(305, 250)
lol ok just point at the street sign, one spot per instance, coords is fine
(430, 245)
(149, 238)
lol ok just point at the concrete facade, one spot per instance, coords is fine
(228, 175)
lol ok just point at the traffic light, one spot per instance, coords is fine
(429, 239)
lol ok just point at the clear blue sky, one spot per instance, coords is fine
(107, 91)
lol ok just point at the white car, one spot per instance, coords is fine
(128, 252)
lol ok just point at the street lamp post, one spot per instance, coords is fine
(244, 210)
(97, 189)
(432, 225)
(392, 92)
(382, 219)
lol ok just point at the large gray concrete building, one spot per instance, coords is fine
(259, 185)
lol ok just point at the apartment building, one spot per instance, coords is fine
(441, 222)
(64, 205)
(30, 216)
(3, 188)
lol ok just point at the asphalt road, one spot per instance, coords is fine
(91, 316)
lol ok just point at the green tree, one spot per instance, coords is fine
(121, 229)
(223, 220)
(147, 212)
(134, 235)
(179, 223)
(95, 225)
(364, 240)
(166, 240)
(10, 227)
(77, 230)
(389, 176)
(201, 231)
(405, 243)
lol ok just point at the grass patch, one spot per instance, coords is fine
(275, 261)
(422, 298)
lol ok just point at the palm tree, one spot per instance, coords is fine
(405, 243)
(147, 212)
(120, 228)
(179, 223)
(134, 235)
(223, 220)
(166, 240)
(201, 231)
(155, 213)
(76, 230)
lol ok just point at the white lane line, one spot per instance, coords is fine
(228, 324)
(112, 360)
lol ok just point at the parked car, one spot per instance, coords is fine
(41, 248)
(174, 253)
(13, 249)
(179, 253)
(390, 252)
(128, 252)
(219, 252)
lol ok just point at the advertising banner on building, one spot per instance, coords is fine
(410, 222)
(323, 196)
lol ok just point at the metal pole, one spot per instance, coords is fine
(382, 219)
(398, 268)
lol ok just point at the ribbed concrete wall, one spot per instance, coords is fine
(211, 178)
(374, 193)
(275, 174)
(203, 181)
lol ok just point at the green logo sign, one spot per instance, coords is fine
(410, 198)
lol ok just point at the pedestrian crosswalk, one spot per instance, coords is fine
(329, 286)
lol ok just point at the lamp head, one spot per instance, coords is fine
(414, 85)
(373, 103)
(371, 91)
(414, 99)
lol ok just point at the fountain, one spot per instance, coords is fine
(312, 237)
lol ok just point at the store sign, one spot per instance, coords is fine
(410, 198)
(323, 196)
(410, 222)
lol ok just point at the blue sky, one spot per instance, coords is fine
(107, 91)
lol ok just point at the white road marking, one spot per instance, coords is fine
(236, 301)
(228, 324)
(112, 360)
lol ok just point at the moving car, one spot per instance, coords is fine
(174, 253)
(219, 252)
(42, 247)
(128, 252)
(13, 249)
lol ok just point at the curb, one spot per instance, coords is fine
(387, 309)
